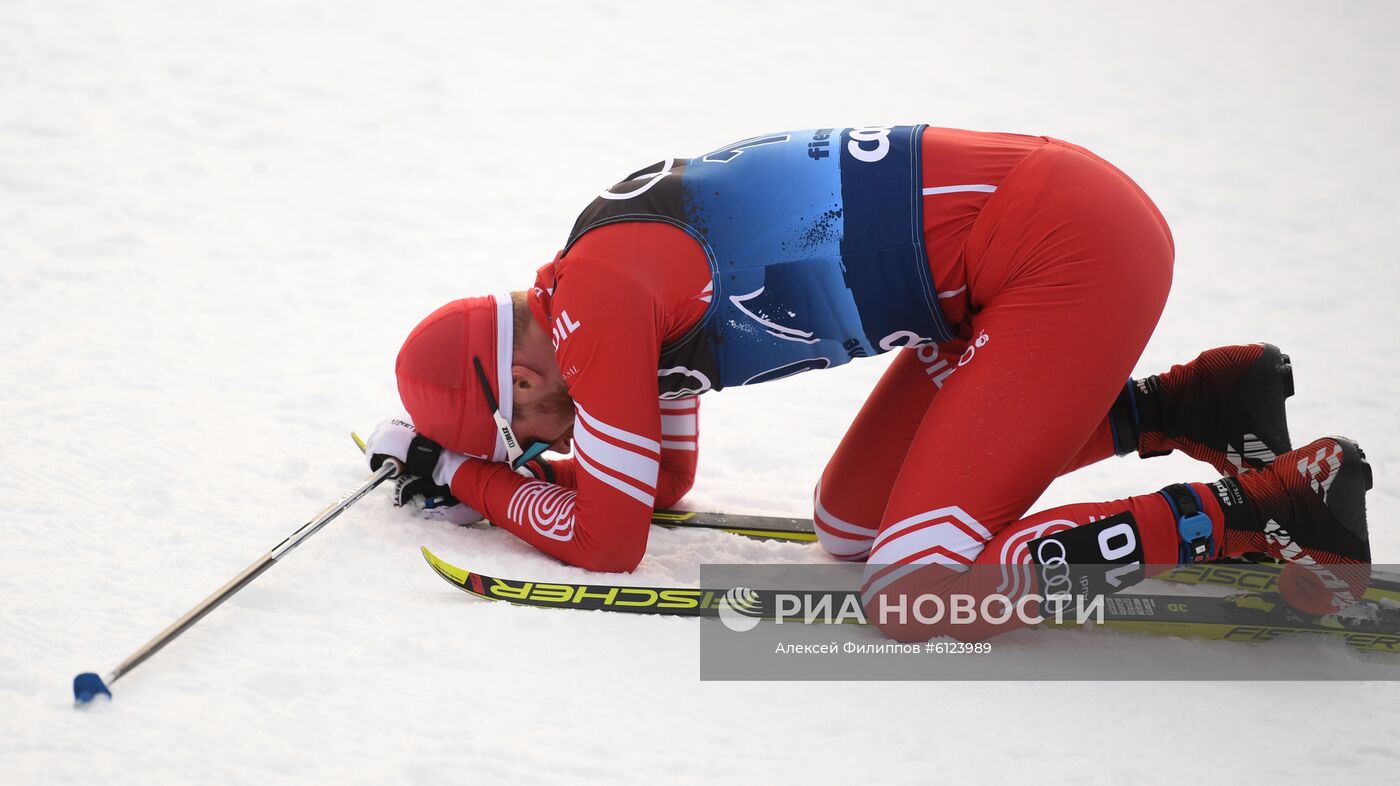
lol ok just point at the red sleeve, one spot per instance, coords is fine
(610, 328)
(680, 452)
(680, 434)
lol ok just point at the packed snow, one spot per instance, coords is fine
(219, 220)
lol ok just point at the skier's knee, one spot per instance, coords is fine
(845, 537)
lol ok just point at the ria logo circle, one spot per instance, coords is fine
(740, 609)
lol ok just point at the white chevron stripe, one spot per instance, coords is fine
(950, 512)
(671, 444)
(945, 535)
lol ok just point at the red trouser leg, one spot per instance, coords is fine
(1068, 270)
(855, 487)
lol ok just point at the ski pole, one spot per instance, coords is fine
(88, 685)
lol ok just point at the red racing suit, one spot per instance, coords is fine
(1052, 267)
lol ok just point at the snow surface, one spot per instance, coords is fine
(218, 221)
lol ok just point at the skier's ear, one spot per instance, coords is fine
(524, 378)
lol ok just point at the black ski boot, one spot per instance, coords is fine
(1309, 510)
(1225, 408)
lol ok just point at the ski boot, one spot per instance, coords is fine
(1307, 509)
(1225, 408)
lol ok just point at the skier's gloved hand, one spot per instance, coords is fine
(431, 501)
(399, 440)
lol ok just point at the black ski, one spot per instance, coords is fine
(758, 527)
(1370, 625)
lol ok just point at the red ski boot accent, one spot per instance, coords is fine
(1308, 509)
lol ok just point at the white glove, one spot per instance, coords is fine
(399, 440)
(425, 481)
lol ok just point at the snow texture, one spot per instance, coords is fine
(218, 221)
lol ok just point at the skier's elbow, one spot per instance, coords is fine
(674, 482)
(672, 494)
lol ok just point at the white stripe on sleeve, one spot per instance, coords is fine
(678, 425)
(640, 468)
(625, 488)
(616, 433)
